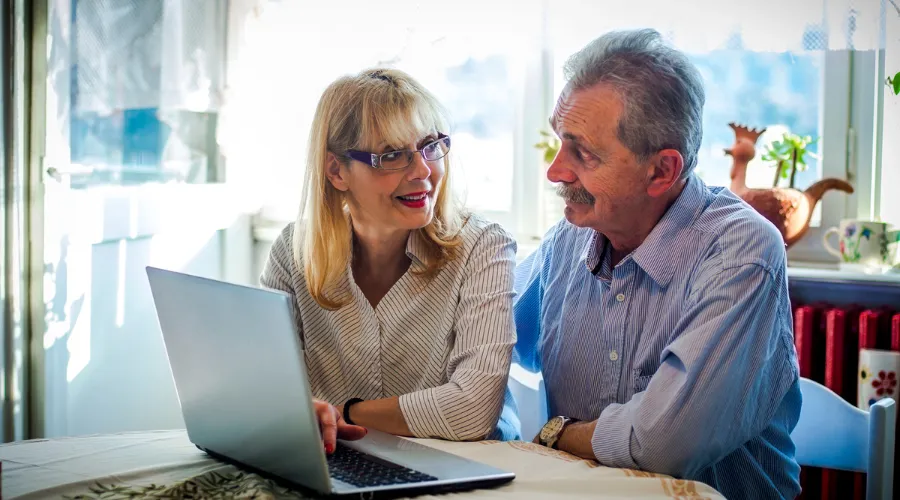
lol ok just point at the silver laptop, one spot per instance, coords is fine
(241, 379)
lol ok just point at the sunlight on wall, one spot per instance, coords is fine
(120, 283)
(79, 342)
(174, 249)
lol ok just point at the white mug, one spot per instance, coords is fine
(878, 376)
(864, 243)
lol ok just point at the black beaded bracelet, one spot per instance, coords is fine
(347, 406)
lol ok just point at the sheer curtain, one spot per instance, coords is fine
(156, 64)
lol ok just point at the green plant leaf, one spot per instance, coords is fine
(895, 83)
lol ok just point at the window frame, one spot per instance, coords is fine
(850, 145)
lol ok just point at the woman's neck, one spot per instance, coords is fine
(379, 260)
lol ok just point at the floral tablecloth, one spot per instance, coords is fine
(164, 464)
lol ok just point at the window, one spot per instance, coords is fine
(499, 74)
(472, 64)
(781, 81)
(133, 91)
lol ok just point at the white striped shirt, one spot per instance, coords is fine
(443, 346)
(683, 352)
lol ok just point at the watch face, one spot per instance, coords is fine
(552, 428)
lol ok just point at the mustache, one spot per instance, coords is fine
(574, 194)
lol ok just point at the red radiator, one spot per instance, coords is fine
(828, 340)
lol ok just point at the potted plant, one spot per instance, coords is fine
(788, 208)
(549, 145)
(789, 154)
(894, 81)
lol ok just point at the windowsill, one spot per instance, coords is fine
(267, 230)
(831, 273)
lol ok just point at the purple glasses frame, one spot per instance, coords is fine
(374, 160)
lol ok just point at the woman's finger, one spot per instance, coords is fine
(327, 424)
(350, 432)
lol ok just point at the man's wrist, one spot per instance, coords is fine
(577, 439)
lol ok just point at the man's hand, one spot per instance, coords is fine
(333, 426)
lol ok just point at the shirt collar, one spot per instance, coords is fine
(658, 253)
(416, 249)
(593, 252)
(655, 255)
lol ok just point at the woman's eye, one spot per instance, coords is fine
(391, 156)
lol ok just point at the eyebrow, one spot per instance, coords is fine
(431, 137)
(568, 135)
(428, 138)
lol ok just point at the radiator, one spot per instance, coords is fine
(828, 340)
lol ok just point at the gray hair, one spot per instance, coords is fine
(661, 90)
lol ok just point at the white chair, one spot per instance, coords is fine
(834, 434)
(531, 400)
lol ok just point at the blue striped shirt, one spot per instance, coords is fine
(683, 352)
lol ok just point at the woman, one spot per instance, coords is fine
(403, 301)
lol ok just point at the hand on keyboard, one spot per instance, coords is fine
(333, 426)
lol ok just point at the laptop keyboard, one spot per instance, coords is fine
(362, 470)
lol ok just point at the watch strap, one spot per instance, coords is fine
(347, 405)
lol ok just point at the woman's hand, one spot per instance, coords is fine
(333, 426)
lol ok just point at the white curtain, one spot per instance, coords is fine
(130, 54)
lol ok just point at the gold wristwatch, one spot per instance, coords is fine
(550, 432)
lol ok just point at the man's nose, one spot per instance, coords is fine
(560, 170)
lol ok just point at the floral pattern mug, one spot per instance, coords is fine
(864, 242)
(878, 370)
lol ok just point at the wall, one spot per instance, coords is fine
(105, 365)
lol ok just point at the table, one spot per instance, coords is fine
(164, 464)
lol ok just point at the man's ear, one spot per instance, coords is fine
(334, 173)
(665, 171)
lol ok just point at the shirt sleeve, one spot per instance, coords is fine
(279, 269)
(719, 383)
(468, 406)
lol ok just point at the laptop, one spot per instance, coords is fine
(239, 371)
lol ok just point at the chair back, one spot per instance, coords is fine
(831, 433)
(531, 400)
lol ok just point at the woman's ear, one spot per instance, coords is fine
(333, 172)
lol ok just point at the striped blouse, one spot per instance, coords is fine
(443, 346)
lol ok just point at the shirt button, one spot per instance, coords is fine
(613, 355)
(620, 297)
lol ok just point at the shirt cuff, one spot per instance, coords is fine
(611, 441)
(423, 415)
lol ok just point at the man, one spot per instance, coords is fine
(658, 309)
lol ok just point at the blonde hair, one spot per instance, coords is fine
(358, 112)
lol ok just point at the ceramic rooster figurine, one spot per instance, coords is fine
(789, 209)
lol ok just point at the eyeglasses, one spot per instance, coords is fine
(397, 160)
